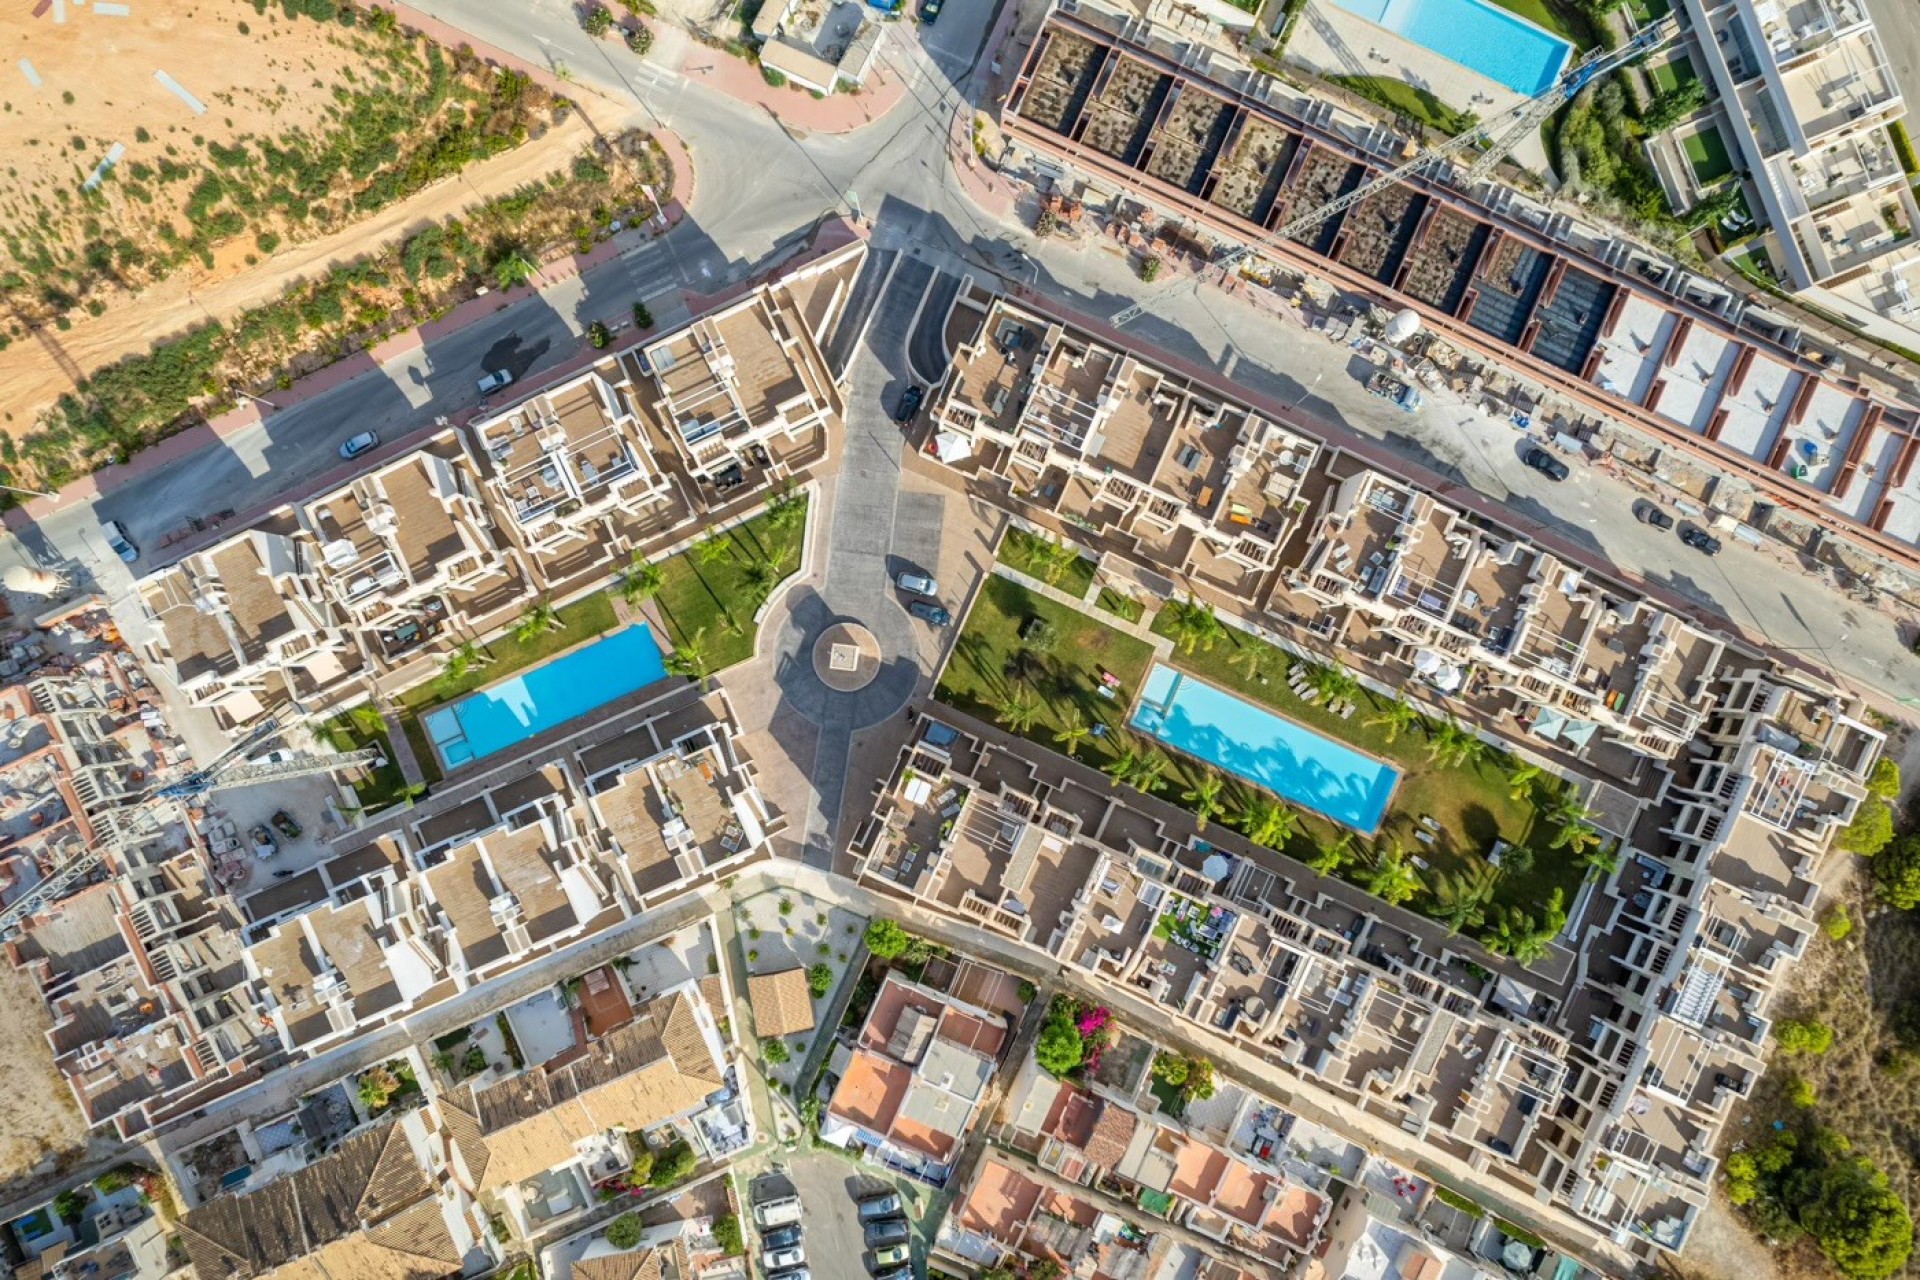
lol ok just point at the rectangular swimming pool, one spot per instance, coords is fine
(1477, 34)
(551, 694)
(1288, 759)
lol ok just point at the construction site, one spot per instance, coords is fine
(1139, 113)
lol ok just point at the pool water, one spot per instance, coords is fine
(534, 701)
(1288, 759)
(1479, 35)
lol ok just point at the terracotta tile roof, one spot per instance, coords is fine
(781, 1003)
(637, 1264)
(1111, 1134)
(372, 1178)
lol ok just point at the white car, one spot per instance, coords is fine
(918, 583)
(781, 1259)
(357, 445)
(494, 381)
(116, 536)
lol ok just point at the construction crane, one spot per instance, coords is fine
(1501, 134)
(128, 825)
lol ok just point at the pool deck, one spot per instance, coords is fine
(1329, 41)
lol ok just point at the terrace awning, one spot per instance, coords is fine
(1549, 722)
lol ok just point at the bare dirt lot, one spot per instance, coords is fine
(38, 1118)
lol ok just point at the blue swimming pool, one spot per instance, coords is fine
(1288, 759)
(1479, 35)
(534, 701)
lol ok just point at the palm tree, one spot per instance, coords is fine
(1053, 559)
(1204, 795)
(713, 550)
(1332, 858)
(538, 618)
(1125, 763)
(1520, 781)
(1395, 719)
(641, 581)
(1576, 838)
(1333, 683)
(1567, 808)
(1022, 709)
(1148, 778)
(1073, 730)
(788, 508)
(1454, 745)
(515, 268)
(1268, 822)
(1460, 901)
(689, 658)
(1391, 878)
(1248, 659)
(760, 578)
(1518, 934)
(1194, 625)
(1600, 858)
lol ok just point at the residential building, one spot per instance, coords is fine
(1008, 1216)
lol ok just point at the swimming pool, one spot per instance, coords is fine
(534, 701)
(1480, 36)
(1290, 760)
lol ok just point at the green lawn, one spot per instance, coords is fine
(1707, 153)
(1029, 554)
(990, 662)
(1671, 74)
(353, 730)
(1562, 19)
(1473, 803)
(1407, 100)
(719, 594)
(1120, 606)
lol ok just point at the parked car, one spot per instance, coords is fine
(917, 583)
(929, 12)
(886, 1259)
(930, 613)
(1388, 387)
(357, 445)
(495, 380)
(783, 1259)
(117, 538)
(777, 1213)
(888, 1231)
(1699, 539)
(781, 1238)
(895, 1273)
(910, 401)
(1546, 464)
(798, 1273)
(1648, 513)
(879, 1204)
(283, 823)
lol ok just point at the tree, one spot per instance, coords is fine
(1059, 1048)
(640, 38)
(1460, 901)
(641, 581)
(1800, 1092)
(1871, 829)
(1045, 223)
(1599, 857)
(1148, 778)
(1896, 874)
(1333, 857)
(1022, 709)
(727, 1234)
(1884, 782)
(598, 335)
(1520, 781)
(597, 21)
(1566, 808)
(674, 1165)
(788, 509)
(1192, 625)
(1204, 796)
(1670, 106)
(377, 1088)
(1249, 660)
(514, 267)
(1807, 1036)
(1150, 268)
(1574, 837)
(886, 939)
(1394, 719)
(1453, 744)
(1125, 763)
(1073, 729)
(819, 980)
(1390, 877)
(1052, 559)
(461, 661)
(642, 318)
(1268, 822)
(1200, 1084)
(1859, 1223)
(1837, 923)
(624, 1231)
(535, 622)
(760, 579)
(1723, 202)
(712, 550)
(775, 1051)
(689, 657)
(1333, 683)
(1170, 1068)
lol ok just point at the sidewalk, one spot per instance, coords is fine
(796, 109)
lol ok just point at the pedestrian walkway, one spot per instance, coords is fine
(797, 109)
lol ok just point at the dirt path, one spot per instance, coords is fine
(33, 377)
(38, 1118)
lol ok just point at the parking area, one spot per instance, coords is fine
(829, 1188)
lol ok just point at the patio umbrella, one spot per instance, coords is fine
(1426, 662)
(1549, 722)
(951, 446)
(1448, 678)
(1216, 867)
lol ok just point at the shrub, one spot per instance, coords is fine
(886, 939)
(1059, 1048)
(1150, 268)
(642, 318)
(70, 1204)
(726, 1233)
(1837, 923)
(624, 1231)
(1046, 223)
(775, 1052)
(819, 980)
(597, 21)
(1808, 1036)
(598, 335)
(1027, 991)
(1903, 148)
(674, 1166)
(1884, 781)
(1896, 874)
(639, 38)
(773, 77)
(1871, 829)
(1800, 1092)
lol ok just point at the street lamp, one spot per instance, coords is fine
(249, 395)
(38, 493)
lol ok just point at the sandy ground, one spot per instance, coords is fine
(31, 382)
(38, 1117)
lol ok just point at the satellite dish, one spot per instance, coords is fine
(27, 581)
(1403, 326)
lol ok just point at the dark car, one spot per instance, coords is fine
(888, 1231)
(1646, 513)
(1546, 464)
(930, 613)
(879, 1204)
(930, 11)
(1699, 539)
(780, 1238)
(909, 404)
(896, 1273)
